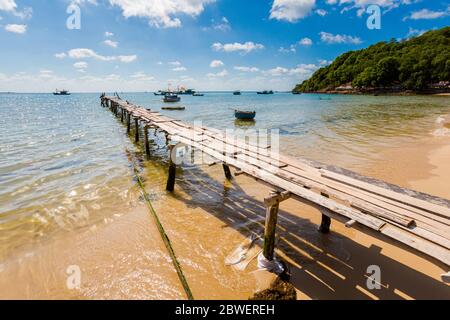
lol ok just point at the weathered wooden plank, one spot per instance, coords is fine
(431, 207)
(423, 246)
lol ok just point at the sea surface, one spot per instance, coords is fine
(66, 164)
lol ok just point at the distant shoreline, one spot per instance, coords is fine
(393, 92)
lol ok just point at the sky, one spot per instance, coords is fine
(147, 45)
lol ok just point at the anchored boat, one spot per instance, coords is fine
(244, 115)
(265, 92)
(237, 93)
(171, 97)
(61, 93)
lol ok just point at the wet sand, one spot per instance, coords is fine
(124, 258)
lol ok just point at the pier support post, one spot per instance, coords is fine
(128, 123)
(267, 260)
(121, 113)
(172, 171)
(136, 134)
(326, 221)
(227, 172)
(147, 146)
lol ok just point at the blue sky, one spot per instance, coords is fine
(143, 45)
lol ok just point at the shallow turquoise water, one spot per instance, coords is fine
(64, 161)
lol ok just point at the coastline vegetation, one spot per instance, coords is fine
(417, 64)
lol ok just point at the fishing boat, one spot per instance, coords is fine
(171, 97)
(198, 94)
(174, 108)
(265, 92)
(237, 93)
(296, 92)
(244, 115)
(184, 91)
(61, 93)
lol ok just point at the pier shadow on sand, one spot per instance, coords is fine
(329, 266)
(323, 266)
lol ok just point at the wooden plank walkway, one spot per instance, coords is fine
(417, 220)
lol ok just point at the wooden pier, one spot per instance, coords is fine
(414, 219)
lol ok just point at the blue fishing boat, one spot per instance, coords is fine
(244, 115)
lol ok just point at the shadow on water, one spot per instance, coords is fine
(320, 268)
(329, 266)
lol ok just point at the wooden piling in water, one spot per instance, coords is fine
(172, 171)
(272, 206)
(128, 122)
(270, 230)
(147, 146)
(227, 172)
(136, 125)
(417, 220)
(326, 220)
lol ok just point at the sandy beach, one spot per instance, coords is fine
(125, 259)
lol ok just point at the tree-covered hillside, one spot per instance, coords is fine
(413, 64)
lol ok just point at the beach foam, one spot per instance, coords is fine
(443, 129)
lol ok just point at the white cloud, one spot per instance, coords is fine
(246, 69)
(16, 28)
(216, 64)
(338, 38)
(291, 10)
(83, 53)
(179, 69)
(426, 14)
(231, 47)
(223, 25)
(220, 74)
(61, 55)
(291, 49)
(141, 76)
(175, 63)
(305, 42)
(361, 5)
(8, 5)
(301, 70)
(321, 12)
(278, 71)
(109, 34)
(112, 44)
(324, 62)
(161, 13)
(80, 66)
